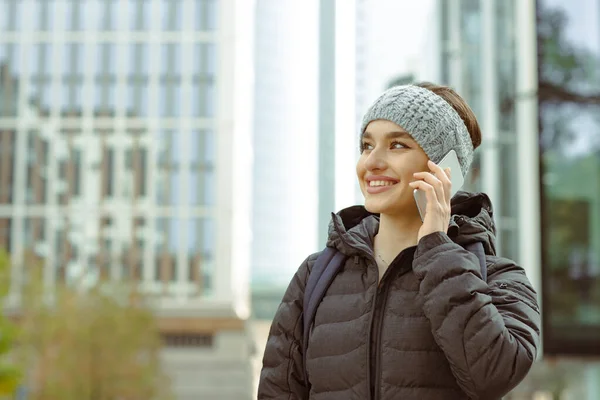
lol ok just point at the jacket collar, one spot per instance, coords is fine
(352, 229)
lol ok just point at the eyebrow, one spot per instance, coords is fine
(390, 135)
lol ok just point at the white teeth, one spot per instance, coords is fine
(380, 183)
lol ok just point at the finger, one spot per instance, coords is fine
(434, 182)
(429, 191)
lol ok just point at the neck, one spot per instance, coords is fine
(396, 234)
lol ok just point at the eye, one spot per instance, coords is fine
(365, 146)
(398, 145)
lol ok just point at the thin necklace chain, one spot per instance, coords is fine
(381, 258)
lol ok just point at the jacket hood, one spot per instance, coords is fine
(352, 230)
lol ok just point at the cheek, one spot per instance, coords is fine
(360, 169)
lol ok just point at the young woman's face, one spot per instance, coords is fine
(389, 158)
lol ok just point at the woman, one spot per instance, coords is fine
(409, 315)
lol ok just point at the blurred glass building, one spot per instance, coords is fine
(488, 55)
(530, 71)
(124, 135)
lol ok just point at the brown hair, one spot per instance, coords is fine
(461, 107)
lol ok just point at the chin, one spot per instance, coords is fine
(390, 206)
(381, 207)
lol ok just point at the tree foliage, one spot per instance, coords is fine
(10, 375)
(98, 344)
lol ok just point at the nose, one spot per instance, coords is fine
(376, 160)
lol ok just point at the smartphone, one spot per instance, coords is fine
(450, 160)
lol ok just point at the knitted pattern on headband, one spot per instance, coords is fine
(428, 118)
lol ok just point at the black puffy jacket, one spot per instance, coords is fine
(432, 329)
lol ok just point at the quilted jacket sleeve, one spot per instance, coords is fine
(282, 374)
(489, 331)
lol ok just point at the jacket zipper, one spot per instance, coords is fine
(384, 291)
(369, 342)
(383, 287)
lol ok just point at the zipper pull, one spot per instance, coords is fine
(356, 260)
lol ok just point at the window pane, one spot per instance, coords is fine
(13, 16)
(202, 177)
(570, 157)
(206, 15)
(171, 15)
(170, 59)
(199, 247)
(168, 232)
(93, 13)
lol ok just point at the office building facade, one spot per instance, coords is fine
(124, 129)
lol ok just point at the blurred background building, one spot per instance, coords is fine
(126, 154)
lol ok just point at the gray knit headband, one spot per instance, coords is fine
(428, 118)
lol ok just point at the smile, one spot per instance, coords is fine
(381, 183)
(375, 187)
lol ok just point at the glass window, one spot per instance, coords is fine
(171, 15)
(205, 59)
(168, 232)
(138, 60)
(199, 248)
(569, 60)
(509, 202)
(202, 146)
(48, 15)
(170, 59)
(72, 15)
(107, 172)
(202, 187)
(137, 95)
(33, 232)
(40, 54)
(169, 99)
(206, 15)
(202, 177)
(138, 15)
(107, 59)
(93, 13)
(10, 18)
(77, 172)
(506, 64)
(9, 54)
(203, 98)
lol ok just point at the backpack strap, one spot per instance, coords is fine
(322, 274)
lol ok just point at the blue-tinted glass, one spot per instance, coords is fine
(171, 59)
(202, 187)
(171, 15)
(9, 54)
(202, 148)
(202, 178)
(206, 15)
(11, 19)
(114, 15)
(138, 14)
(203, 99)
(4, 16)
(92, 12)
(204, 59)
(72, 15)
(175, 183)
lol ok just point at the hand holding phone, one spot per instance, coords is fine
(450, 160)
